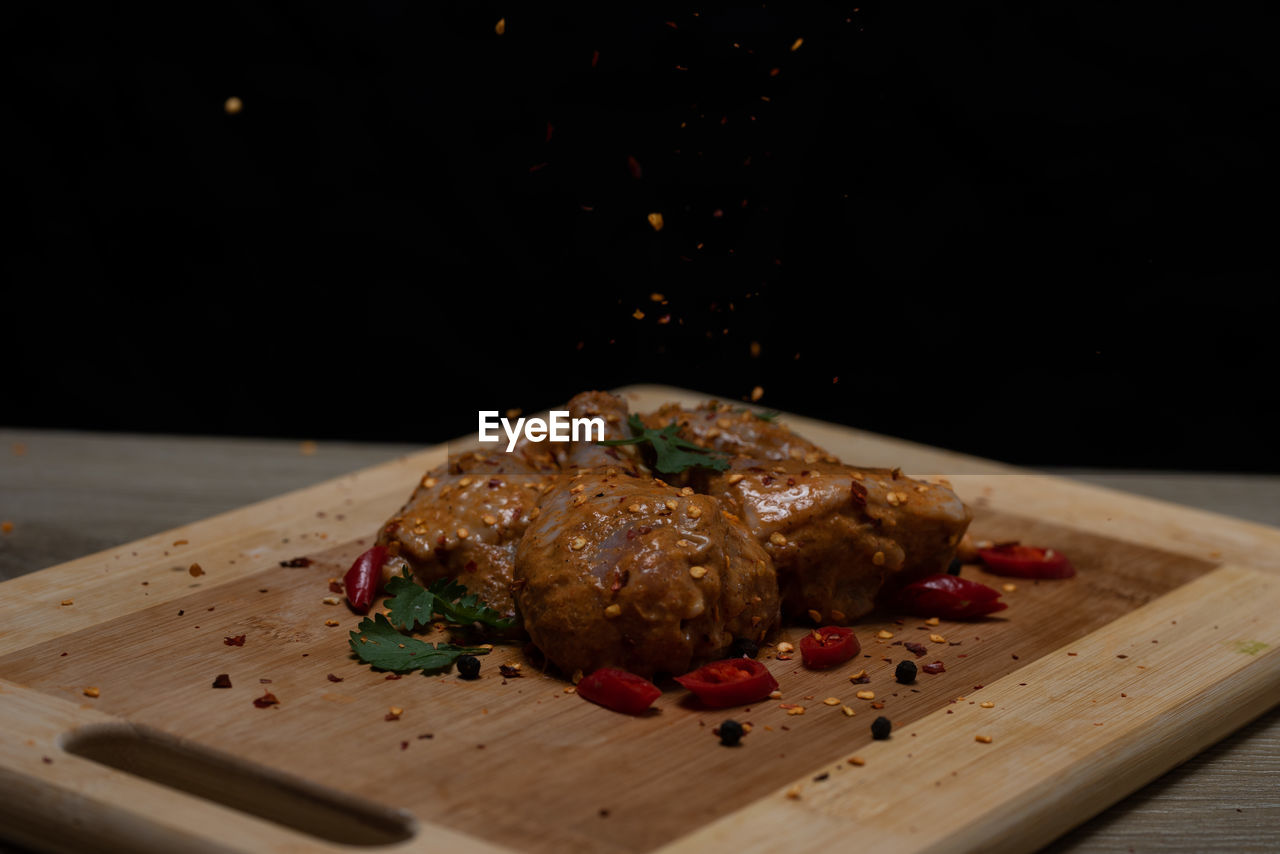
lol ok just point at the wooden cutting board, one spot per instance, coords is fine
(1165, 641)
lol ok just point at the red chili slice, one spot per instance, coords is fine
(949, 596)
(828, 646)
(364, 578)
(1026, 562)
(730, 682)
(619, 690)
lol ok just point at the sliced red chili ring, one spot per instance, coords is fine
(828, 646)
(618, 689)
(364, 578)
(730, 682)
(1021, 561)
(949, 596)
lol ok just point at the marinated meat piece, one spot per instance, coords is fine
(737, 431)
(630, 572)
(464, 520)
(840, 535)
(614, 411)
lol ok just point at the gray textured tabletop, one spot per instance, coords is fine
(69, 494)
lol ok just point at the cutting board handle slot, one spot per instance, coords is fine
(239, 784)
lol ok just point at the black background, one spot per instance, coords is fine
(1040, 232)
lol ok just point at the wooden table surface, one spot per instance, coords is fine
(70, 494)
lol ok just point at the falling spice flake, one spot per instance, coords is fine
(196, 570)
(595, 58)
(6, 527)
(307, 448)
(501, 26)
(795, 45)
(232, 105)
(638, 314)
(757, 393)
(655, 220)
(633, 166)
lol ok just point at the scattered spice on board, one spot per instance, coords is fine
(935, 667)
(266, 700)
(238, 640)
(916, 649)
(332, 678)
(222, 680)
(296, 562)
(195, 570)
(92, 691)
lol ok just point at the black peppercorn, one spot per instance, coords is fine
(730, 733)
(468, 667)
(743, 648)
(906, 672)
(880, 728)
(954, 568)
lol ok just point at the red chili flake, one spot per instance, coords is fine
(859, 493)
(427, 735)
(267, 699)
(1122, 656)
(238, 640)
(494, 483)
(297, 562)
(550, 130)
(595, 58)
(537, 167)
(335, 586)
(633, 166)
(470, 566)
(508, 672)
(264, 681)
(917, 649)
(767, 479)
(861, 680)
(791, 481)
(404, 745)
(391, 677)
(222, 680)
(333, 678)
(936, 667)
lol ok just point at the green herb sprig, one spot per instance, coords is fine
(380, 642)
(672, 453)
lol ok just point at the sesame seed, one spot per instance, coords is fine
(466, 481)
(463, 533)
(785, 647)
(884, 634)
(331, 623)
(68, 602)
(866, 695)
(987, 705)
(735, 477)
(694, 511)
(857, 760)
(395, 711)
(489, 519)
(686, 491)
(697, 571)
(577, 543)
(1008, 588)
(578, 488)
(672, 504)
(331, 600)
(794, 793)
(614, 610)
(757, 393)
(777, 538)
(428, 482)
(831, 701)
(579, 500)
(878, 558)
(985, 739)
(634, 508)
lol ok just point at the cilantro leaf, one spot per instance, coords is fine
(770, 415)
(672, 454)
(412, 605)
(375, 641)
(457, 606)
